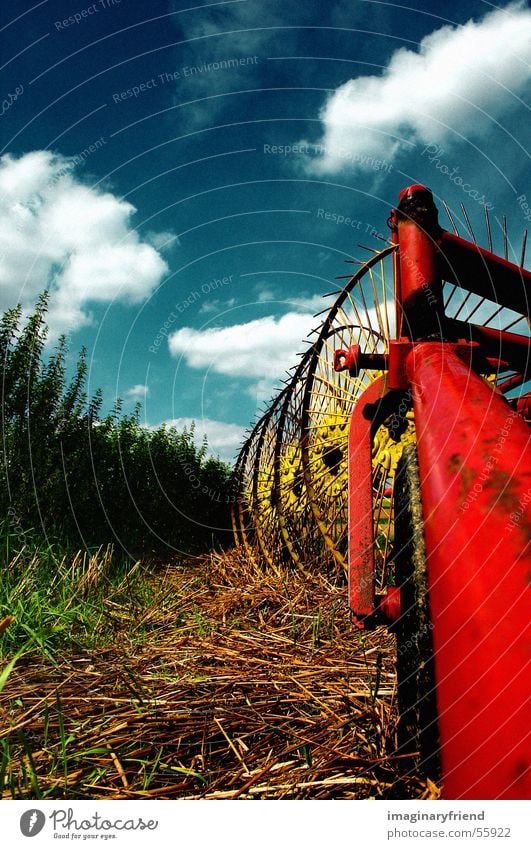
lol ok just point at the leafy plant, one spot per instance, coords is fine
(74, 475)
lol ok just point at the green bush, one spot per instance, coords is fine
(74, 475)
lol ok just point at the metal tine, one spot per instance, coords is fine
(468, 224)
(522, 255)
(505, 243)
(381, 238)
(330, 294)
(366, 248)
(450, 216)
(487, 224)
(355, 261)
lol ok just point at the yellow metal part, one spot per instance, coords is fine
(388, 444)
(328, 456)
(292, 491)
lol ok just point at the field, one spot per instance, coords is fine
(205, 679)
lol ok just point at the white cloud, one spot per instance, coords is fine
(460, 81)
(217, 306)
(224, 438)
(265, 295)
(306, 303)
(138, 392)
(263, 348)
(164, 241)
(310, 303)
(73, 239)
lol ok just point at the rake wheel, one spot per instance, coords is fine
(330, 396)
(302, 540)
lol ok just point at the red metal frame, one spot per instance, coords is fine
(368, 608)
(483, 273)
(476, 496)
(474, 467)
(360, 521)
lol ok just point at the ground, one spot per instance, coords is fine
(228, 682)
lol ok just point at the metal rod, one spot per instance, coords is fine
(505, 243)
(468, 224)
(522, 254)
(487, 224)
(450, 216)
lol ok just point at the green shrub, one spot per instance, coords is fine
(84, 479)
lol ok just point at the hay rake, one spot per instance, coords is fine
(397, 455)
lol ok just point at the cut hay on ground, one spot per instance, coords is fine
(232, 684)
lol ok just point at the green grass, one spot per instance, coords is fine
(60, 600)
(53, 602)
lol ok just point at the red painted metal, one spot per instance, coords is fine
(429, 254)
(510, 383)
(476, 495)
(483, 273)
(389, 605)
(354, 360)
(513, 347)
(397, 377)
(347, 360)
(368, 608)
(413, 193)
(523, 406)
(418, 289)
(360, 517)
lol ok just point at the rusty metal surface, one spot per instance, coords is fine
(475, 475)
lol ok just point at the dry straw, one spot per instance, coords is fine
(231, 683)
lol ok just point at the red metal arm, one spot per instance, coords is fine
(483, 273)
(360, 519)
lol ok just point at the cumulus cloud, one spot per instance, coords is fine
(138, 392)
(224, 438)
(263, 348)
(458, 82)
(75, 240)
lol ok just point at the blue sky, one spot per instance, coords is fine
(179, 174)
